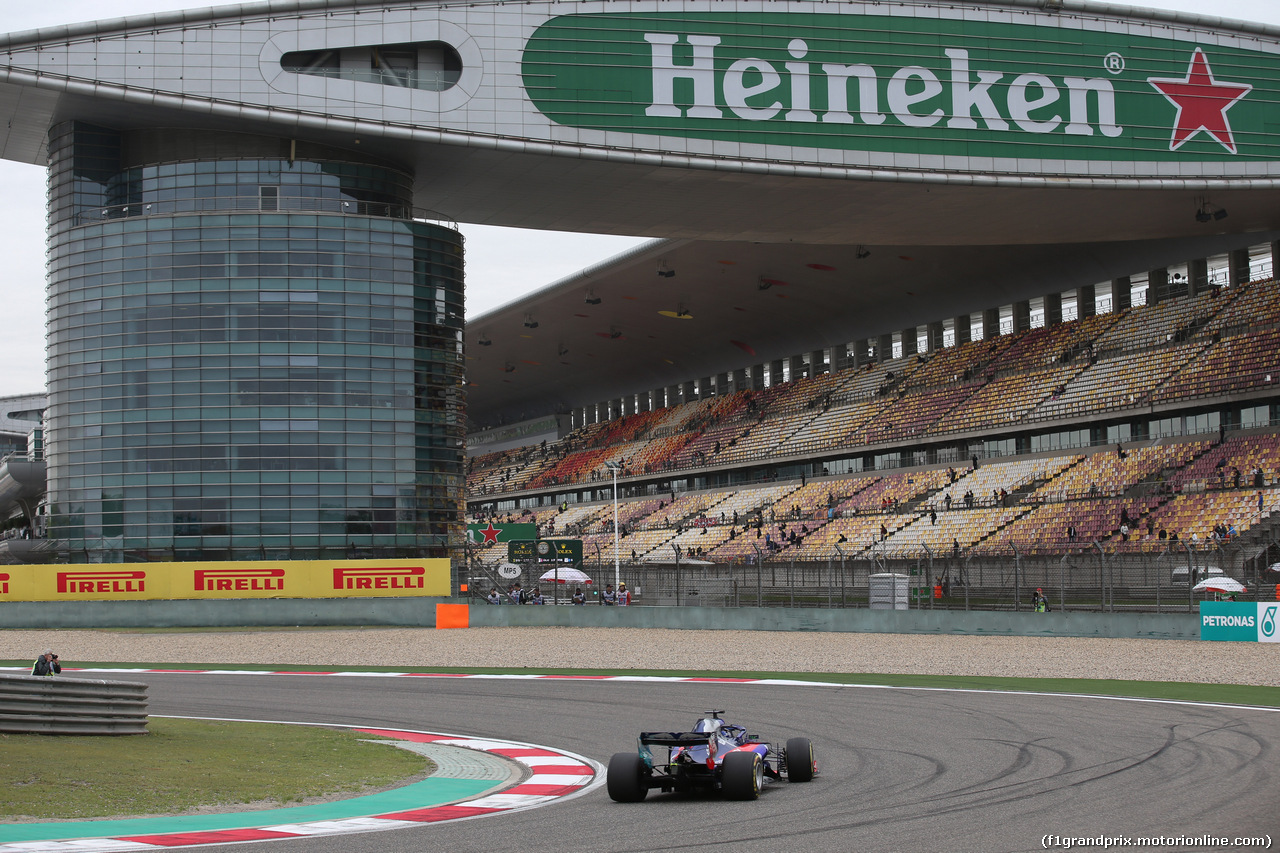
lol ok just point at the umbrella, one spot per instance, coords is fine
(565, 574)
(1229, 585)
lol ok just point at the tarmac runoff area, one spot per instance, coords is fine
(661, 649)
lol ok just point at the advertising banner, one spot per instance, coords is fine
(491, 533)
(919, 82)
(1241, 621)
(546, 551)
(168, 581)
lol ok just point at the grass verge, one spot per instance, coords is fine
(186, 766)
(1239, 694)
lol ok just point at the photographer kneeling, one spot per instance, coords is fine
(47, 664)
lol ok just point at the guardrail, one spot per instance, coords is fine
(71, 706)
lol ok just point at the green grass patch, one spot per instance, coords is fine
(1239, 694)
(186, 766)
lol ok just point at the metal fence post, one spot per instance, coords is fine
(840, 551)
(928, 575)
(759, 577)
(676, 548)
(1017, 572)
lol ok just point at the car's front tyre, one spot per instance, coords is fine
(742, 775)
(627, 778)
(800, 761)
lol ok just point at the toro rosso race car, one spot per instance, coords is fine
(714, 756)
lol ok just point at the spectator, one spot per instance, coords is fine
(493, 597)
(623, 596)
(578, 596)
(933, 516)
(608, 598)
(1039, 603)
(47, 664)
(536, 598)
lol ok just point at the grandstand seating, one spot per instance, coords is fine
(1218, 345)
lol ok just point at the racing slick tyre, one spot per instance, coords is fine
(800, 763)
(627, 778)
(742, 775)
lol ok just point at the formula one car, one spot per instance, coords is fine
(714, 756)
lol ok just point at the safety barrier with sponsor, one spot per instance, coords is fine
(214, 580)
(1251, 622)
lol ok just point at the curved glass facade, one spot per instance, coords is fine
(250, 356)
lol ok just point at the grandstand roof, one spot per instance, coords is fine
(975, 172)
(821, 296)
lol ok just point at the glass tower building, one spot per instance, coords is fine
(255, 352)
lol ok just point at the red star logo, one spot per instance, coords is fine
(491, 534)
(1202, 103)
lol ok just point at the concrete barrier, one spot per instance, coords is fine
(421, 613)
(1166, 626)
(220, 613)
(71, 706)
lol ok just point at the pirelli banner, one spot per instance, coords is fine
(291, 579)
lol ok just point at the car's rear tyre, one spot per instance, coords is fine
(742, 775)
(627, 778)
(800, 761)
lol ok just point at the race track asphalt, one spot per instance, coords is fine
(900, 770)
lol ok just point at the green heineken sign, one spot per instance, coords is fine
(491, 534)
(918, 86)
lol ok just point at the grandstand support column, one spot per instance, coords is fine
(990, 324)
(1087, 301)
(1121, 293)
(934, 334)
(1275, 258)
(740, 381)
(909, 345)
(884, 348)
(673, 396)
(689, 391)
(1052, 309)
(757, 376)
(818, 363)
(722, 385)
(1158, 283)
(797, 366)
(860, 348)
(1198, 276)
(644, 401)
(776, 373)
(1238, 265)
(1021, 316)
(964, 328)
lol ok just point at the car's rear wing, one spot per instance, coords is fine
(675, 738)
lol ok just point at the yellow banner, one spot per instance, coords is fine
(289, 579)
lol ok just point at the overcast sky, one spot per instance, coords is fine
(502, 263)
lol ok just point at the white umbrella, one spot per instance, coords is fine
(565, 574)
(1230, 585)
